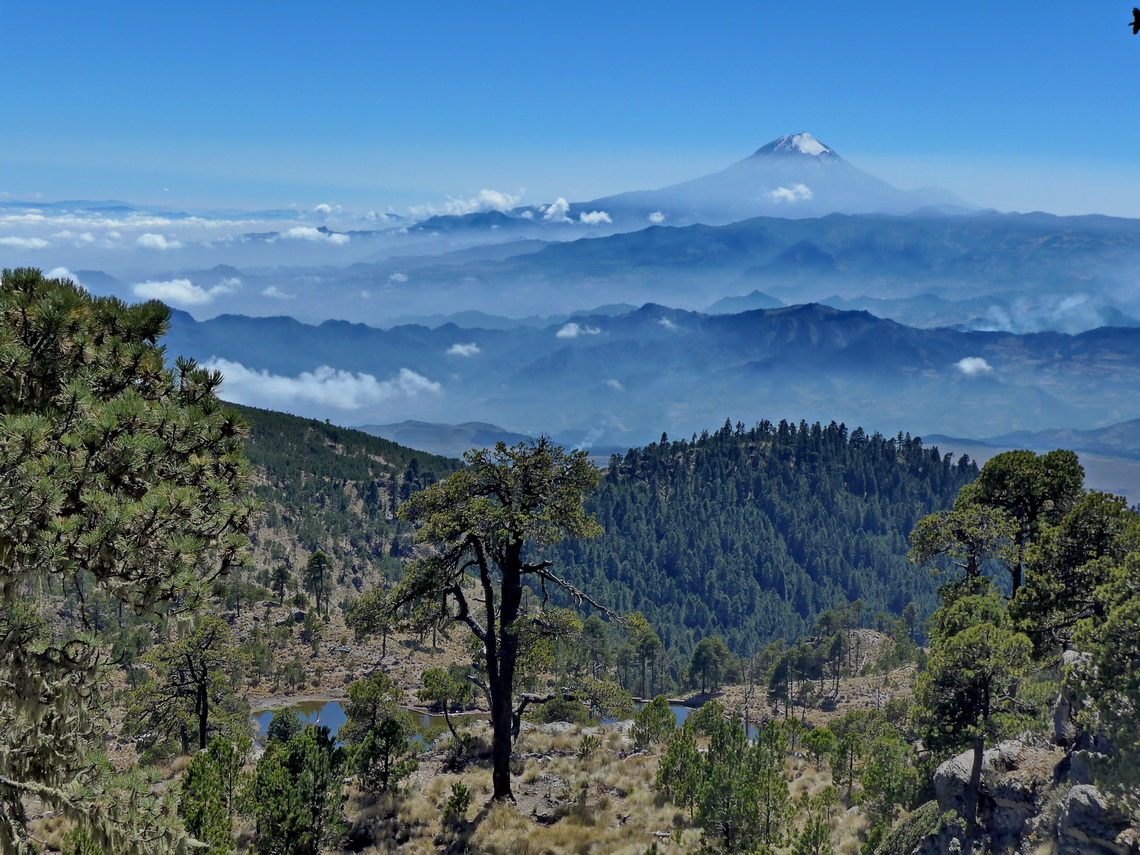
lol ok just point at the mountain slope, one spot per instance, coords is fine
(749, 534)
(793, 176)
(334, 489)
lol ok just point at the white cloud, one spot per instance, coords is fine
(527, 214)
(463, 349)
(276, 293)
(795, 193)
(67, 234)
(668, 324)
(972, 366)
(657, 217)
(381, 216)
(573, 330)
(615, 385)
(151, 240)
(63, 273)
(398, 277)
(24, 243)
(483, 201)
(326, 210)
(179, 292)
(593, 218)
(314, 234)
(325, 386)
(556, 212)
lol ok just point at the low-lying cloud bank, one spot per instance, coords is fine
(182, 292)
(324, 386)
(573, 330)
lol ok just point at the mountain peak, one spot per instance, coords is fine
(797, 144)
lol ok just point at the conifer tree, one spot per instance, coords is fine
(485, 520)
(317, 578)
(119, 475)
(192, 693)
(968, 693)
(209, 790)
(297, 793)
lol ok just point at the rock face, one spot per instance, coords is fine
(1027, 801)
(1087, 822)
(1016, 780)
(1065, 709)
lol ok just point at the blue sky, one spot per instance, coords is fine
(1014, 105)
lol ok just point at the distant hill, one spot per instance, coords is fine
(446, 440)
(1042, 271)
(475, 319)
(1110, 455)
(750, 533)
(1120, 440)
(746, 303)
(335, 489)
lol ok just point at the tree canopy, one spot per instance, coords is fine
(118, 474)
(751, 533)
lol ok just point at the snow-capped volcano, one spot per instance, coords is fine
(796, 144)
(791, 176)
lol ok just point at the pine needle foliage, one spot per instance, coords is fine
(118, 474)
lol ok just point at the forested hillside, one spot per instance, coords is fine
(333, 489)
(750, 534)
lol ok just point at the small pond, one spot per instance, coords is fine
(331, 715)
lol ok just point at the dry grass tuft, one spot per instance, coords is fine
(50, 830)
(848, 830)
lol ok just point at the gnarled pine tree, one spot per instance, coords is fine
(482, 520)
(117, 474)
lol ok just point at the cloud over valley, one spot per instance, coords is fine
(324, 386)
(182, 292)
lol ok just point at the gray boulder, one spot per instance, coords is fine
(1089, 824)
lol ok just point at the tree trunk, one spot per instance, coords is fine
(203, 715)
(450, 726)
(974, 787)
(501, 677)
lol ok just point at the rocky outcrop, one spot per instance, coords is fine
(1028, 802)
(1087, 822)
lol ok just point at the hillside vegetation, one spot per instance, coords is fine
(751, 534)
(334, 489)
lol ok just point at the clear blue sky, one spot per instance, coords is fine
(1014, 105)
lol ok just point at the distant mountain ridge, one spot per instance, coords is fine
(1019, 272)
(1119, 440)
(619, 380)
(444, 440)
